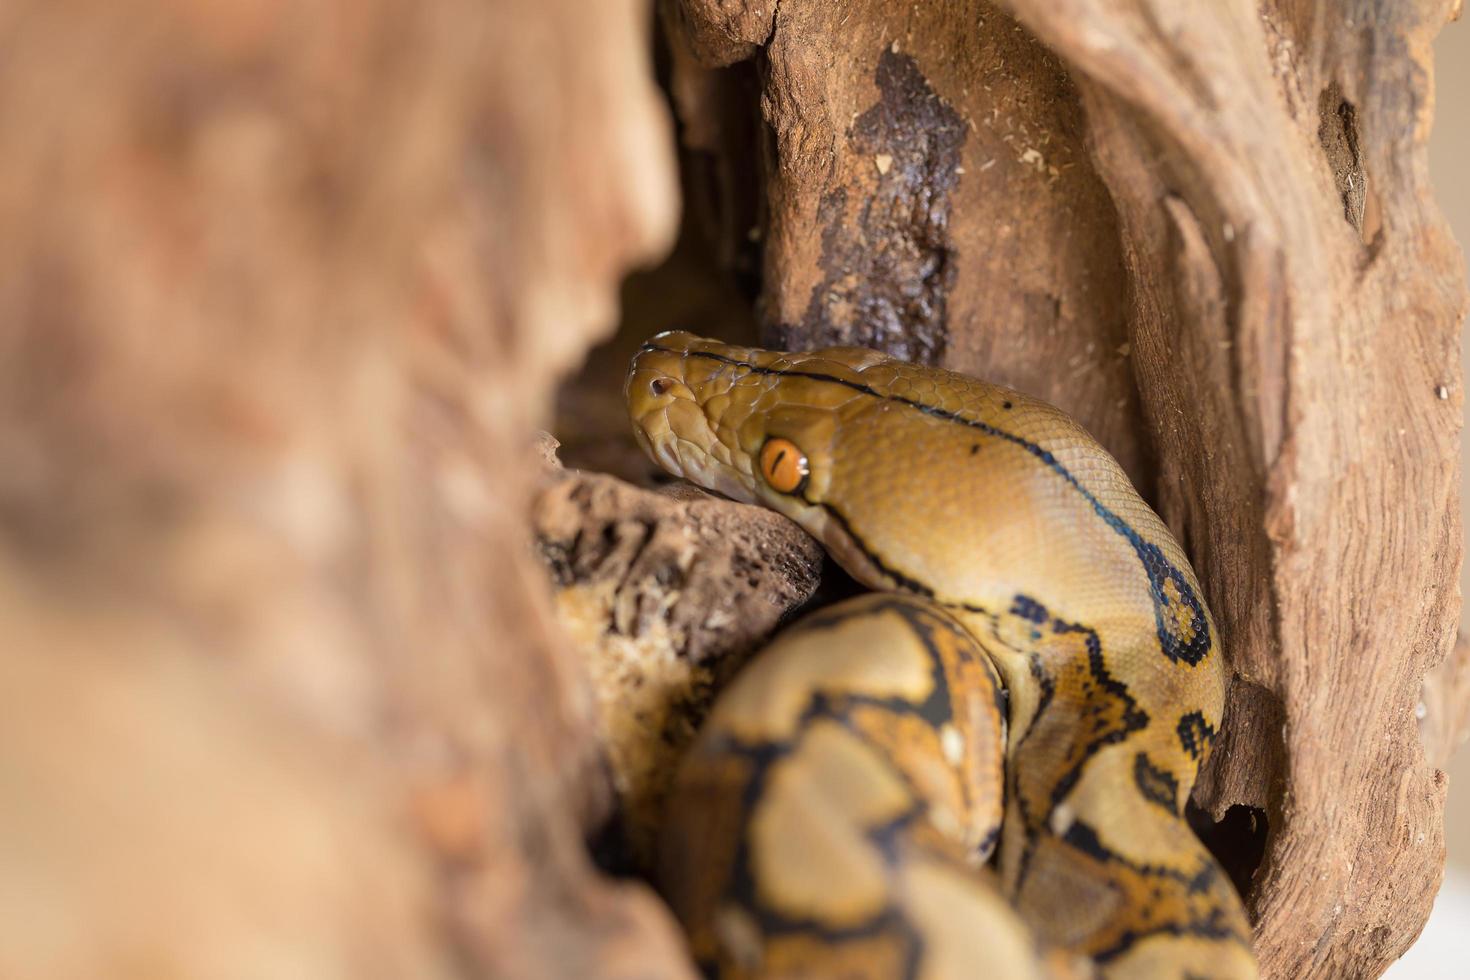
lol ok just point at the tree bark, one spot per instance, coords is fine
(665, 595)
(1206, 230)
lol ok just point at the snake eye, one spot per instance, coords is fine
(659, 385)
(783, 465)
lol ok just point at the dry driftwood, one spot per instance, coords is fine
(287, 289)
(664, 594)
(1207, 231)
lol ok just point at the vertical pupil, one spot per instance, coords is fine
(782, 464)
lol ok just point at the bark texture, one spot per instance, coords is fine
(664, 594)
(1206, 230)
(287, 290)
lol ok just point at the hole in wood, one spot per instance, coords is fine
(1238, 840)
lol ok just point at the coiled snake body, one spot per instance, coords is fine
(1038, 677)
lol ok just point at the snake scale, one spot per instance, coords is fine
(980, 769)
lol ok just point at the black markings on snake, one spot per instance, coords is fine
(1085, 839)
(1195, 734)
(887, 839)
(1133, 718)
(743, 891)
(898, 578)
(1111, 720)
(1029, 609)
(1155, 784)
(1046, 686)
(1213, 924)
(1179, 617)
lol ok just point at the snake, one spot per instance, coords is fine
(979, 767)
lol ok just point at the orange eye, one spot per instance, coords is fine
(783, 465)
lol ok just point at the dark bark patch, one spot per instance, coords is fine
(1337, 130)
(886, 256)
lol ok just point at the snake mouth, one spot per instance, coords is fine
(675, 418)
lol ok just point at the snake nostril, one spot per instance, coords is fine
(660, 385)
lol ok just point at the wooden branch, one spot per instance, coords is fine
(665, 594)
(1205, 230)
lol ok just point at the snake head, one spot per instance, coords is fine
(729, 419)
(770, 428)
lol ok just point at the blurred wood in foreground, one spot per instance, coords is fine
(288, 289)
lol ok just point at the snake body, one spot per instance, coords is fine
(1039, 676)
